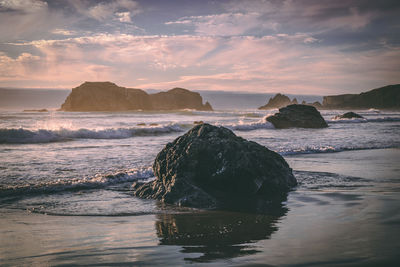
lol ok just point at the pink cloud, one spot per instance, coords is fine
(276, 63)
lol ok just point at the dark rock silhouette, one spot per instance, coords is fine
(107, 96)
(302, 116)
(36, 110)
(278, 101)
(349, 115)
(387, 97)
(210, 166)
(316, 104)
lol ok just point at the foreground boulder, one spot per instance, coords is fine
(349, 115)
(107, 96)
(209, 166)
(302, 116)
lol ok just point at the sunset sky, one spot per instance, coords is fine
(299, 47)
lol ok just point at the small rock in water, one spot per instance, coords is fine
(302, 116)
(198, 122)
(349, 115)
(209, 166)
(141, 124)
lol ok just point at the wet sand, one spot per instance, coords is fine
(345, 212)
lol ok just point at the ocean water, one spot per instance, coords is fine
(65, 192)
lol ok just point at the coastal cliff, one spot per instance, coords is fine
(387, 97)
(107, 96)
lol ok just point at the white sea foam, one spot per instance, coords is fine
(250, 126)
(98, 181)
(364, 120)
(10, 136)
(328, 149)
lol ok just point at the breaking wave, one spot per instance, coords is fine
(250, 126)
(98, 181)
(330, 149)
(24, 136)
(364, 120)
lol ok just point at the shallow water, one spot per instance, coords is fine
(65, 193)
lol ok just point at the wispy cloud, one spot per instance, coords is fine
(226, 24)
(120, 9)
(26, 6)
(302, 46)
(272, 63)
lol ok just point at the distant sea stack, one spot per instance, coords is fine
(301, 116)
(107, 96)
(278, 101)
(387, 97)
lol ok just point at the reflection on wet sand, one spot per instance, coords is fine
(216, 234)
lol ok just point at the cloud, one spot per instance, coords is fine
(275, 63)
(124, 16)
(63, 32)
(226, 24)
(120, 9)
(27, 6)
(261, 17)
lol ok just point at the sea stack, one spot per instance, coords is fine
(107, 96)
(301, 116)
(278, 101)
(210, 165)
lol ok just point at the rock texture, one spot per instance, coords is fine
(387, 97)
(349, 115)
(302, 116)
(278, 101)
(210, 165)
(107, 96)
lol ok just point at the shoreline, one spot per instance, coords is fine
(340, 225)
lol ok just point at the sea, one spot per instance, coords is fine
(66, 191)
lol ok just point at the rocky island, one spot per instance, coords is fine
(210, 166)
(107, 96)
(278, 101)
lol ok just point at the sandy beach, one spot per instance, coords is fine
(344, 215)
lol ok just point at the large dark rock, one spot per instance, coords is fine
(387, 97)
(349, 115)
(178, 98)
(107, 96)
(278, 101)
(302, 116)
(209, 166)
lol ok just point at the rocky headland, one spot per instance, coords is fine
(387, 97)
(301, 116)
(210, 166)
(107, 96)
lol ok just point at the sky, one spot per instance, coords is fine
(316, 47)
